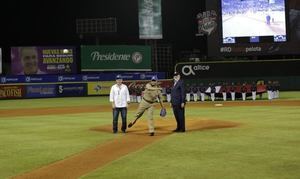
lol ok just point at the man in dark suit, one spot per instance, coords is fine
(178, 102)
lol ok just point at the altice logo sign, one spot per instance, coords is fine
(188, 70)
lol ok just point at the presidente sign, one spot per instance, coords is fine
(116, 58)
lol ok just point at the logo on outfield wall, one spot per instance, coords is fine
(137, 57)
(3, 80)
(207, 22)
(27, 79)
(188, 70)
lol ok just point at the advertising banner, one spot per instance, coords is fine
(239, 68)
(150, 21)
(116, 58)
(41, 91)
(43, 60)
(12, 79)
(11, 92)
(76, 89)
(100, 88)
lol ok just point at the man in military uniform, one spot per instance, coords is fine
(150, 94)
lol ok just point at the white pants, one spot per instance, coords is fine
(134, 98)
(232, 96)
(277, 94)
(270, 94)
(202, 96)
(188, 97)
(244, 96)
(195, 96)
(138, 98)
(224, 96)
(274, 93)
(169, 97)
(198, 95)
(253, 95)
(131, 98)
(212, 95)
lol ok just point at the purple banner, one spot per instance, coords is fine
(43, 60)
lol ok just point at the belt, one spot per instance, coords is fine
(148, 101)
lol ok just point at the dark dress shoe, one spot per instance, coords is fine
(151, 134)
(130, 125)
(176, 130)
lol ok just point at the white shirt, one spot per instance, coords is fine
(119, 95)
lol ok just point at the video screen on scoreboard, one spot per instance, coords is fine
(253, 21)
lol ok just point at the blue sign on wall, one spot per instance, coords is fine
(75, 89)
(40, 91)
(79, 78)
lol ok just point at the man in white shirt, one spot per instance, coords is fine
(119, 98)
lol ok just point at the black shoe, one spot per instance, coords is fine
(176, 130)
(151, 134)
(130, 125)
(115, 132)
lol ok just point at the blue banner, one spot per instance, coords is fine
(40, 91)
(15, 79)
(72, 89)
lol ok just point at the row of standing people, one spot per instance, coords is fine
(195, 93)
(198, 93)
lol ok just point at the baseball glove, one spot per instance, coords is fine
(163, 112)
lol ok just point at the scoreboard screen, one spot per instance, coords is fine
(253, 21)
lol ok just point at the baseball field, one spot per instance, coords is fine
(72, 138)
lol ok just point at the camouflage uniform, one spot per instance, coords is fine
(151, 93)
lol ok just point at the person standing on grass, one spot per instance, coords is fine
(119, 98)
(253, 90)
(244, 91)
(178, 102)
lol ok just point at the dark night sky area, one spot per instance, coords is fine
(54, 22)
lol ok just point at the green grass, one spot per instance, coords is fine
(266, 145)
(52, 102)
(30, 142)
